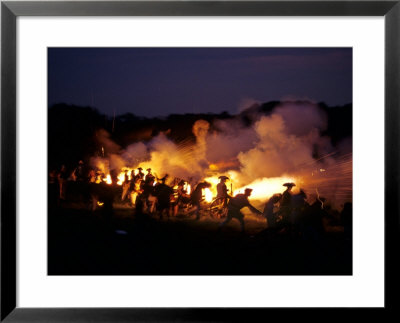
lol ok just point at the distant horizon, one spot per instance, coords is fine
(155, 82)
(191, 113)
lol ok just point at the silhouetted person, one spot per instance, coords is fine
(287, 194)
(79, 172)
(140, 174)
(136, 189)
(163, 193)
(181, 197)
(62, 181)
(178, 191)
(222, 190)
(136, 180)
(197, 196)
(81, 176)
(312, 221)
(236, 204)
(149, 177)
(286, 204)
(299, 205)
(148, 193)
(125, 186)
(269, 213)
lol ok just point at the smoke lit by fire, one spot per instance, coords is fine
(285, 146)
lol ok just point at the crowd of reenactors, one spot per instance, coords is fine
(148, 194)
(144, 191)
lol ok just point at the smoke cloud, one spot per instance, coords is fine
(285, 143)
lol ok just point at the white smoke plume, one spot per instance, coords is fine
(228, 140)
(285, 143)
(135, 153)
(166, 157)
(200, 130)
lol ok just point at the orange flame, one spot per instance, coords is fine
(208, 195)
(108, 179)
(121, 175)
(266, 187)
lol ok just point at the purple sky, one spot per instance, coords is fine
(160, 81)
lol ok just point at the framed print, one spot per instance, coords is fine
(196, 161)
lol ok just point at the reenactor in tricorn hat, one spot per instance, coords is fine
(236, 204)
(286, 203)
(222, 190)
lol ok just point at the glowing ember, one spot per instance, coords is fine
(100, 203)
(188, 188)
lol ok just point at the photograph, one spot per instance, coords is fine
(200, 160)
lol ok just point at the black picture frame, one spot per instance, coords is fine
(10, 10)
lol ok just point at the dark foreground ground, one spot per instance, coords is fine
(83, 243)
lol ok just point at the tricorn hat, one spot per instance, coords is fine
(289, 184)
(223, 177)
(248, 190)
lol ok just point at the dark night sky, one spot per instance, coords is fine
(160, 81)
